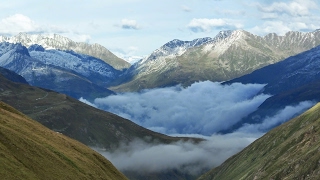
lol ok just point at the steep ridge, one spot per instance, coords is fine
(290, 151)
(76, 75)
(73, 118)
(29, 150)
(56, 41)
(229, 55)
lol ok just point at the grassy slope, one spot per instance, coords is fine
(28, 150)
(77, 120)
(290, 151)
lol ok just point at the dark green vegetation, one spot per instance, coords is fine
(73, 118)
(28, 150)
(236, 55)
(290, 151)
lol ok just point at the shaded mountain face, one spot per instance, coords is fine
(31, 151)
(62, 43)
(73, 118)
(12, 76)
(229, 55)
(74, 74)
(290, 151)
(290, 81)
(288, 74)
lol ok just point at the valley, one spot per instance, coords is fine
(162, 117)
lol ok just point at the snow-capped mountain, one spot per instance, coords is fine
(229, 55)
(67, 72)
(54, 41)
(90, 67)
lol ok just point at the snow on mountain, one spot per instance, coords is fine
(80, 63)
(228, 55)
(58, 42)
(66, 72)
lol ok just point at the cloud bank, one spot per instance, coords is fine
(282, 116)
(202, 108)
(199, 110)
(186, 157)
(281, 17)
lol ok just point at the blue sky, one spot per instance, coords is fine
(137, 27)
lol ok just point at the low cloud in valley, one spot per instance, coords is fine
(200, 110)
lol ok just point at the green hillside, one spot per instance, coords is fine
(28, 150)
(290, 151)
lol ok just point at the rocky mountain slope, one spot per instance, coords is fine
(290, 151)
(59, 42)
(28, 150)
(229, 55)
(74, 74)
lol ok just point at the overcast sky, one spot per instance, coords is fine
(137, 27)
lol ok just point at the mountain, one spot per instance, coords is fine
(290, 73)
(229, 55)
(73, 118)
(74, 74)
(91, 126)
(28, 150)
(12, 76)
(290, 81)
(290, 151)
(59, 42)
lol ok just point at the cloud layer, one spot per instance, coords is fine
(202, 108)
(186, 157)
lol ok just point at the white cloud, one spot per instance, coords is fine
(293, 8)
(202, 108)
(281, 17)
(12, 25)
(18, 23)
(129, 24)
(207, 25)
(87, 102)
(198, 110)
(282, 116)
(187, 157)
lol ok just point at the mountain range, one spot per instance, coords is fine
(28, 150)
(74, 74)
(229, 55)
(55, 41)
(289, 151)
(287, 65)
